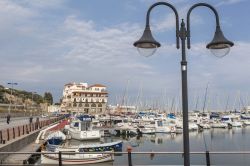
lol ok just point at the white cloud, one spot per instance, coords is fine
(229, 2)
(77, 49)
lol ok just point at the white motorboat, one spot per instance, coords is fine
(162, 126)
(218, 124)
(146, 129)
(235, 124)
(246, 122)
(204, 125)
(231, 121)
(82, 130)
(192, 126)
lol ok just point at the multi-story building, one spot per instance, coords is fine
(81, 98)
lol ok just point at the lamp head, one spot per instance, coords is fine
(147, 45)
(219, 46)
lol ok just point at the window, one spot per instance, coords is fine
(99, 105)
(87, 105)
(93, 105)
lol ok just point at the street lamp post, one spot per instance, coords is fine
(12, 85)
(32, 100)
(219, 46)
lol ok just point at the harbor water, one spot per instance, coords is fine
(222, 140)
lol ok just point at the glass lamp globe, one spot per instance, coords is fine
(147, 45)
(220, 50)
(146, 49)
(219, 46)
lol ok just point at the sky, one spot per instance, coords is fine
(47, 43)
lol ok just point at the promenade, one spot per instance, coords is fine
(22, 126)
(17, 121)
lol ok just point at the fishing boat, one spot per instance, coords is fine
(81, 155)
(110, 146)
(54, 139)
(68, 157)
(82, 130)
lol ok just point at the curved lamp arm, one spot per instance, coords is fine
(188, 19)
(176, 16)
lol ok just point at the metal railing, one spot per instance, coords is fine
(17, 131)
(129, 153)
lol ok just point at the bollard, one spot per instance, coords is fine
(19, 133)
(207, 158)
(129, 150)
(60, 158)
(14, 134)
(27, 129)
(1, 136)
(23, 129)
(8, 135)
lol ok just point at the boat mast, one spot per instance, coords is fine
(205, 99)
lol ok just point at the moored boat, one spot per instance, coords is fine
(68, 157)
(162, 126)
(82, 130)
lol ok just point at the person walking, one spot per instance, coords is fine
(31, 118)
(37, 123)
(8, 118)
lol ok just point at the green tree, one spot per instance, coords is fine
(48, 98)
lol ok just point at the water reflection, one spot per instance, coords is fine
(235, 139)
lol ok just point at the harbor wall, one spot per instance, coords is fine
(18, 144)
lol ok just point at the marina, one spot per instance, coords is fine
(149, 148)
(124, 83)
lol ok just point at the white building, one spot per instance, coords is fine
(54, 109)
(81, 98)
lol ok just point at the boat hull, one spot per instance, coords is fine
(219, 125)
(76, 159)
(147, 131)
(84, 135)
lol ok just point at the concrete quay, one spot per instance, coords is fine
(21, 144)
(21, 140)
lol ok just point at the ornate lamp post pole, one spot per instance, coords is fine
(219, 46)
